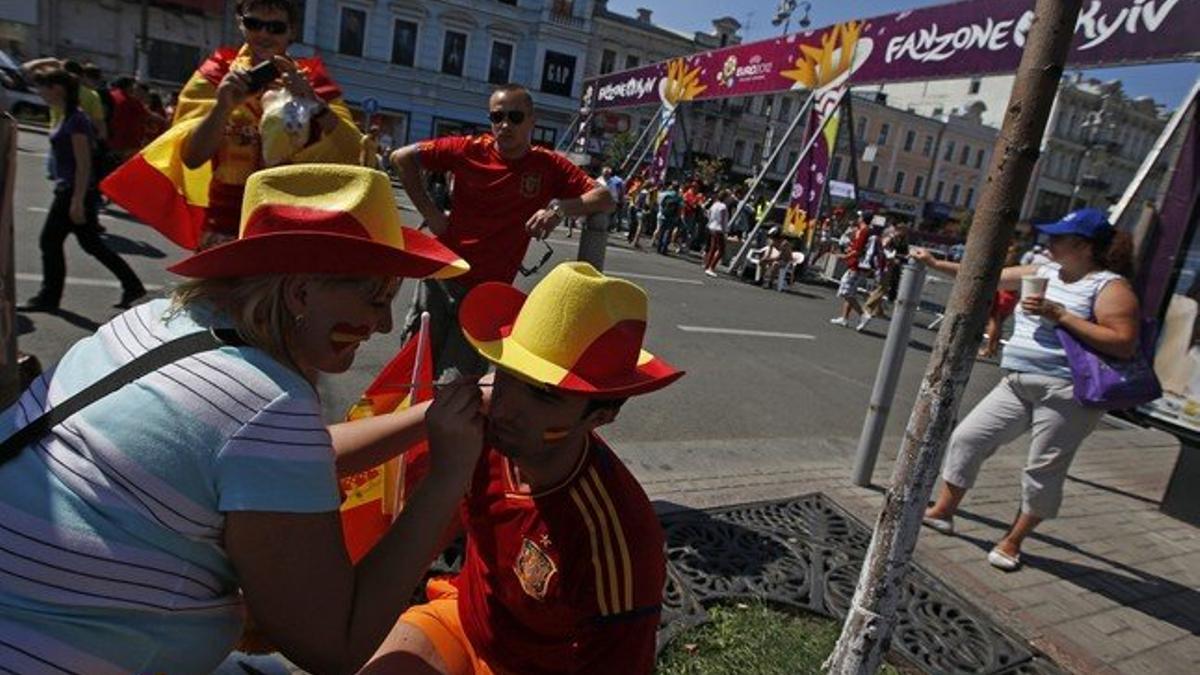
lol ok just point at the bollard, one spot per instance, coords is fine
(593, 239)
(912, 281)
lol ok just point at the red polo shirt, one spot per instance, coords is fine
(569, 580)
(493, 198)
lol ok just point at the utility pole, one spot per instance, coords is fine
(872, 616)
(143, 44)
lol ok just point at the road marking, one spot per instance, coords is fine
(37, 209)
(751, 333)
(33, 153)
(653, 277)
(79, 281)
(608, 249)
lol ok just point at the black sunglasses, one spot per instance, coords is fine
(528, 272)
(273, 27)
(514, 116)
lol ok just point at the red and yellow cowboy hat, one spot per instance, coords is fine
(577, 331)
(323, 219)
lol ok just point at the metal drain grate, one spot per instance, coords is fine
(806, 553)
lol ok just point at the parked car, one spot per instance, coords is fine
(17, 95)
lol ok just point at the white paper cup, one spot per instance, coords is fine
(1033, 285)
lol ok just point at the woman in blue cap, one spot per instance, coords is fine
(1088, 294)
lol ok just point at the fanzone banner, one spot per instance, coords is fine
(809, 186)
(970, 38)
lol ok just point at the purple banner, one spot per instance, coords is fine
(662, 149)
(970, 38)
(809, 186)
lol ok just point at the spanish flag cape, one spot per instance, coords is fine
(157, 189)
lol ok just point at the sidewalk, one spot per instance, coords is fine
(1112, 586)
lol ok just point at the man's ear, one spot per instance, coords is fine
(600, 417)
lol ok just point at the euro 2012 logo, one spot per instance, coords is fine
(727, 72)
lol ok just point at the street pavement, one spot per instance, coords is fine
(772, 407)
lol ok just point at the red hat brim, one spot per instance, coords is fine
(323, 253)
(487, 316)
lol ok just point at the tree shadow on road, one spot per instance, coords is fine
(1126, 585)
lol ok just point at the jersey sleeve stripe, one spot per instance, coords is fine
(619, 535)
(591, 526)
(606, 538)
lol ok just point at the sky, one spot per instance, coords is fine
(1165, 83)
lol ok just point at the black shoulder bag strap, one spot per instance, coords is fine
(162, 355)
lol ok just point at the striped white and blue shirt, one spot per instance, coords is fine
(111, 555)
(1034, 346)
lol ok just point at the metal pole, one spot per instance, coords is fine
(912, 282)
(641, 137)
(738, 259)
(568, 139)
(143, 44)
(10, 375)
(808, 104)
(1156, 152)
(593, 239)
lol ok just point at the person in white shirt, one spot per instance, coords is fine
(718, 229)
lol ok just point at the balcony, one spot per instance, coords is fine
(562, 12)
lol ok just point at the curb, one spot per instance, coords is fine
(34, 129)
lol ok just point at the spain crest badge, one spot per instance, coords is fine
(531, 185)
(534, 569)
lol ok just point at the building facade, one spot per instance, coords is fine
(431, 64)
(1095, 139)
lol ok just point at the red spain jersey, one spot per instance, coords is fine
(493, 198)
(566, 581)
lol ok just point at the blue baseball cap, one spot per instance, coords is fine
(1086, 223)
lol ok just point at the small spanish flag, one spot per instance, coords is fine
(374, 497)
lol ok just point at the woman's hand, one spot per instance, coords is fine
(922, 255)
(293, 80)
(455, 425)
(233, 89)
(77, 213)
(1038, 305)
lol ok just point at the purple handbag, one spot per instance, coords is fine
(1110, 383)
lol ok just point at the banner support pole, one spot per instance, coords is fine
(666, 119)
(641, 137)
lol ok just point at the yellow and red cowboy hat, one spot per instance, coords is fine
(577, 331)
(323, 219)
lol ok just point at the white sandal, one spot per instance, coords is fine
(1003, 561)
(940, 525)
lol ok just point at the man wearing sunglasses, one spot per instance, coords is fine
(506, 193)
(217, 123)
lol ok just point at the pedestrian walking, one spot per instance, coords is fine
(887, 271)
(670, 215)
(718, 230)
(1004, 302)
(506, 193)
(858, 266)
(76, 205)
(1087, 294)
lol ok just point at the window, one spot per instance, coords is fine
(937, 112)
(545, 136)
(835, 166)
(949, 156)
(955, 190)
(979, 159)
(756, 156)
(739, 152)
(404, 42)
(970, 198)
(860, 128)
(919, 187)
(454, 53)
(792, 156)
(910, 139)
(965, 156)
(884, 130)
(172, 61)
(873, 177)
(558, 73)
(352, 32)
(937, 194)
(608, 61)
(631, 61)
(500, 66)
(785, 108)
(898, 186)
(973, 87)
(928, 149)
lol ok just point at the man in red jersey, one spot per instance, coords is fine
(565, 567)
(506, 192)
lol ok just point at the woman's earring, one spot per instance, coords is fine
(299, 320)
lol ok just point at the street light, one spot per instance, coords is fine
(783, 14)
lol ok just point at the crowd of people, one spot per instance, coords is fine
(192, 483)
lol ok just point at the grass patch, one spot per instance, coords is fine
(753, 639)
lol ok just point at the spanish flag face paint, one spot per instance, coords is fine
(346, 336)
(555, 435)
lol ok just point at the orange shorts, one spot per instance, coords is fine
(438, 620)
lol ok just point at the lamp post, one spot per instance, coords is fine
(1098, 134)
(783, 14)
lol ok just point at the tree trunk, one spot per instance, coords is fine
(868, 628)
